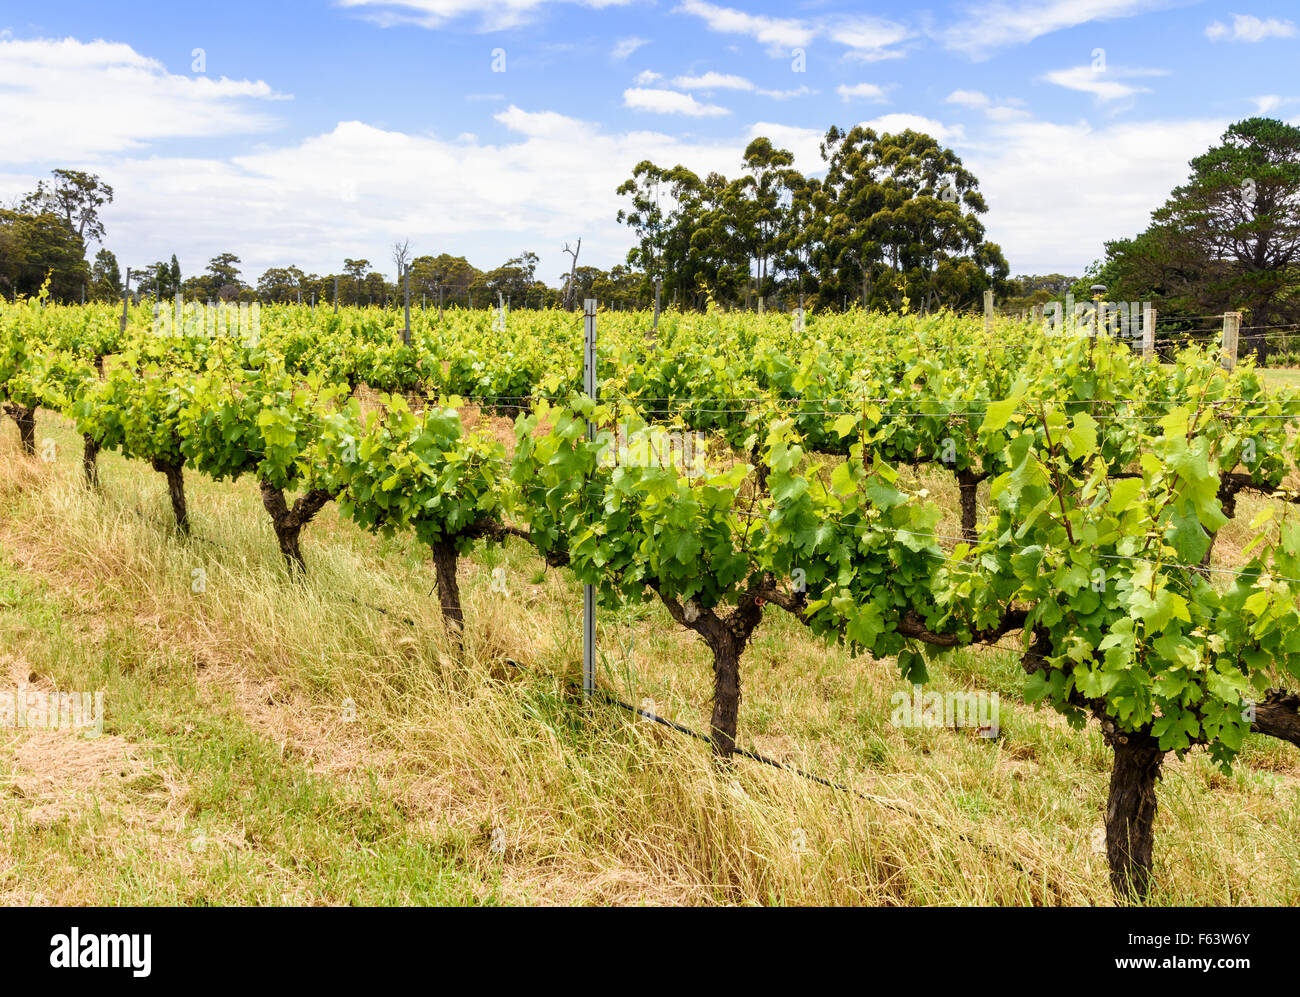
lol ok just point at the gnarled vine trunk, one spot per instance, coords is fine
(726, 698)
(175, 475)
(1131, 804)
(1131, 812)
(89, 457)
(444, 566)
(288, 522)
(26, 419)
(968, 483)
(727, 638)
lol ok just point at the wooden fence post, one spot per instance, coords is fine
(1148, 332)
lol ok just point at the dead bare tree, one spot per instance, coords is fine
(401, 252)
(573, 271)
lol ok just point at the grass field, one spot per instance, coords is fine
(276, 742)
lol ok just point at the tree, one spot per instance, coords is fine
(721, 238)
(223, 270)
(894, 223)
(664, 211)
(514, 279)
(356, 269)
(158, 276)
(105, 277)
(453, 274)
(1226, 240)
(34, 246)
(281, 284)
(401, 256)
(573, 268)
(899, 214)
(769, 189)
(1027, 290)
(76, 198)
(796, 248)
(146, 278)
(376, 288)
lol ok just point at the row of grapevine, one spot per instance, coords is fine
(1108, 479)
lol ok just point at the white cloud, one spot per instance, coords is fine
(352, 190)
(992, 24)
(494, 15)
(1270, 102)
(66, 100)
(805, 143)
(624, 47)
(1247, 28)
(722, 81)
(1104, 84)
(1052, 204)
(967, 98)
(892, 124)
(777, 32)
(1005, 110)
(712, 81)
(540, 124)
(670, 102)
(786, 94)
(647, 76)
(861, 91)
(867, 38)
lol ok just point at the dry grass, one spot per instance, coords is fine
(290, 743)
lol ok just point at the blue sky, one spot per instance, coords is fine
(305, 132)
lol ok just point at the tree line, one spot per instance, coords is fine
(894, 224)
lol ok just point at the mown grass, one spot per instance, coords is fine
(269, 741)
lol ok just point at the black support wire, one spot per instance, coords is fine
(761, 759)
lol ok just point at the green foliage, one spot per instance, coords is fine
(417, 471)
(1108, 476)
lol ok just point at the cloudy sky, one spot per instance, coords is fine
(305, 132)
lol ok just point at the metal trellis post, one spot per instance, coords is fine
(406, 294)
(126, 294)
(592, 387)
